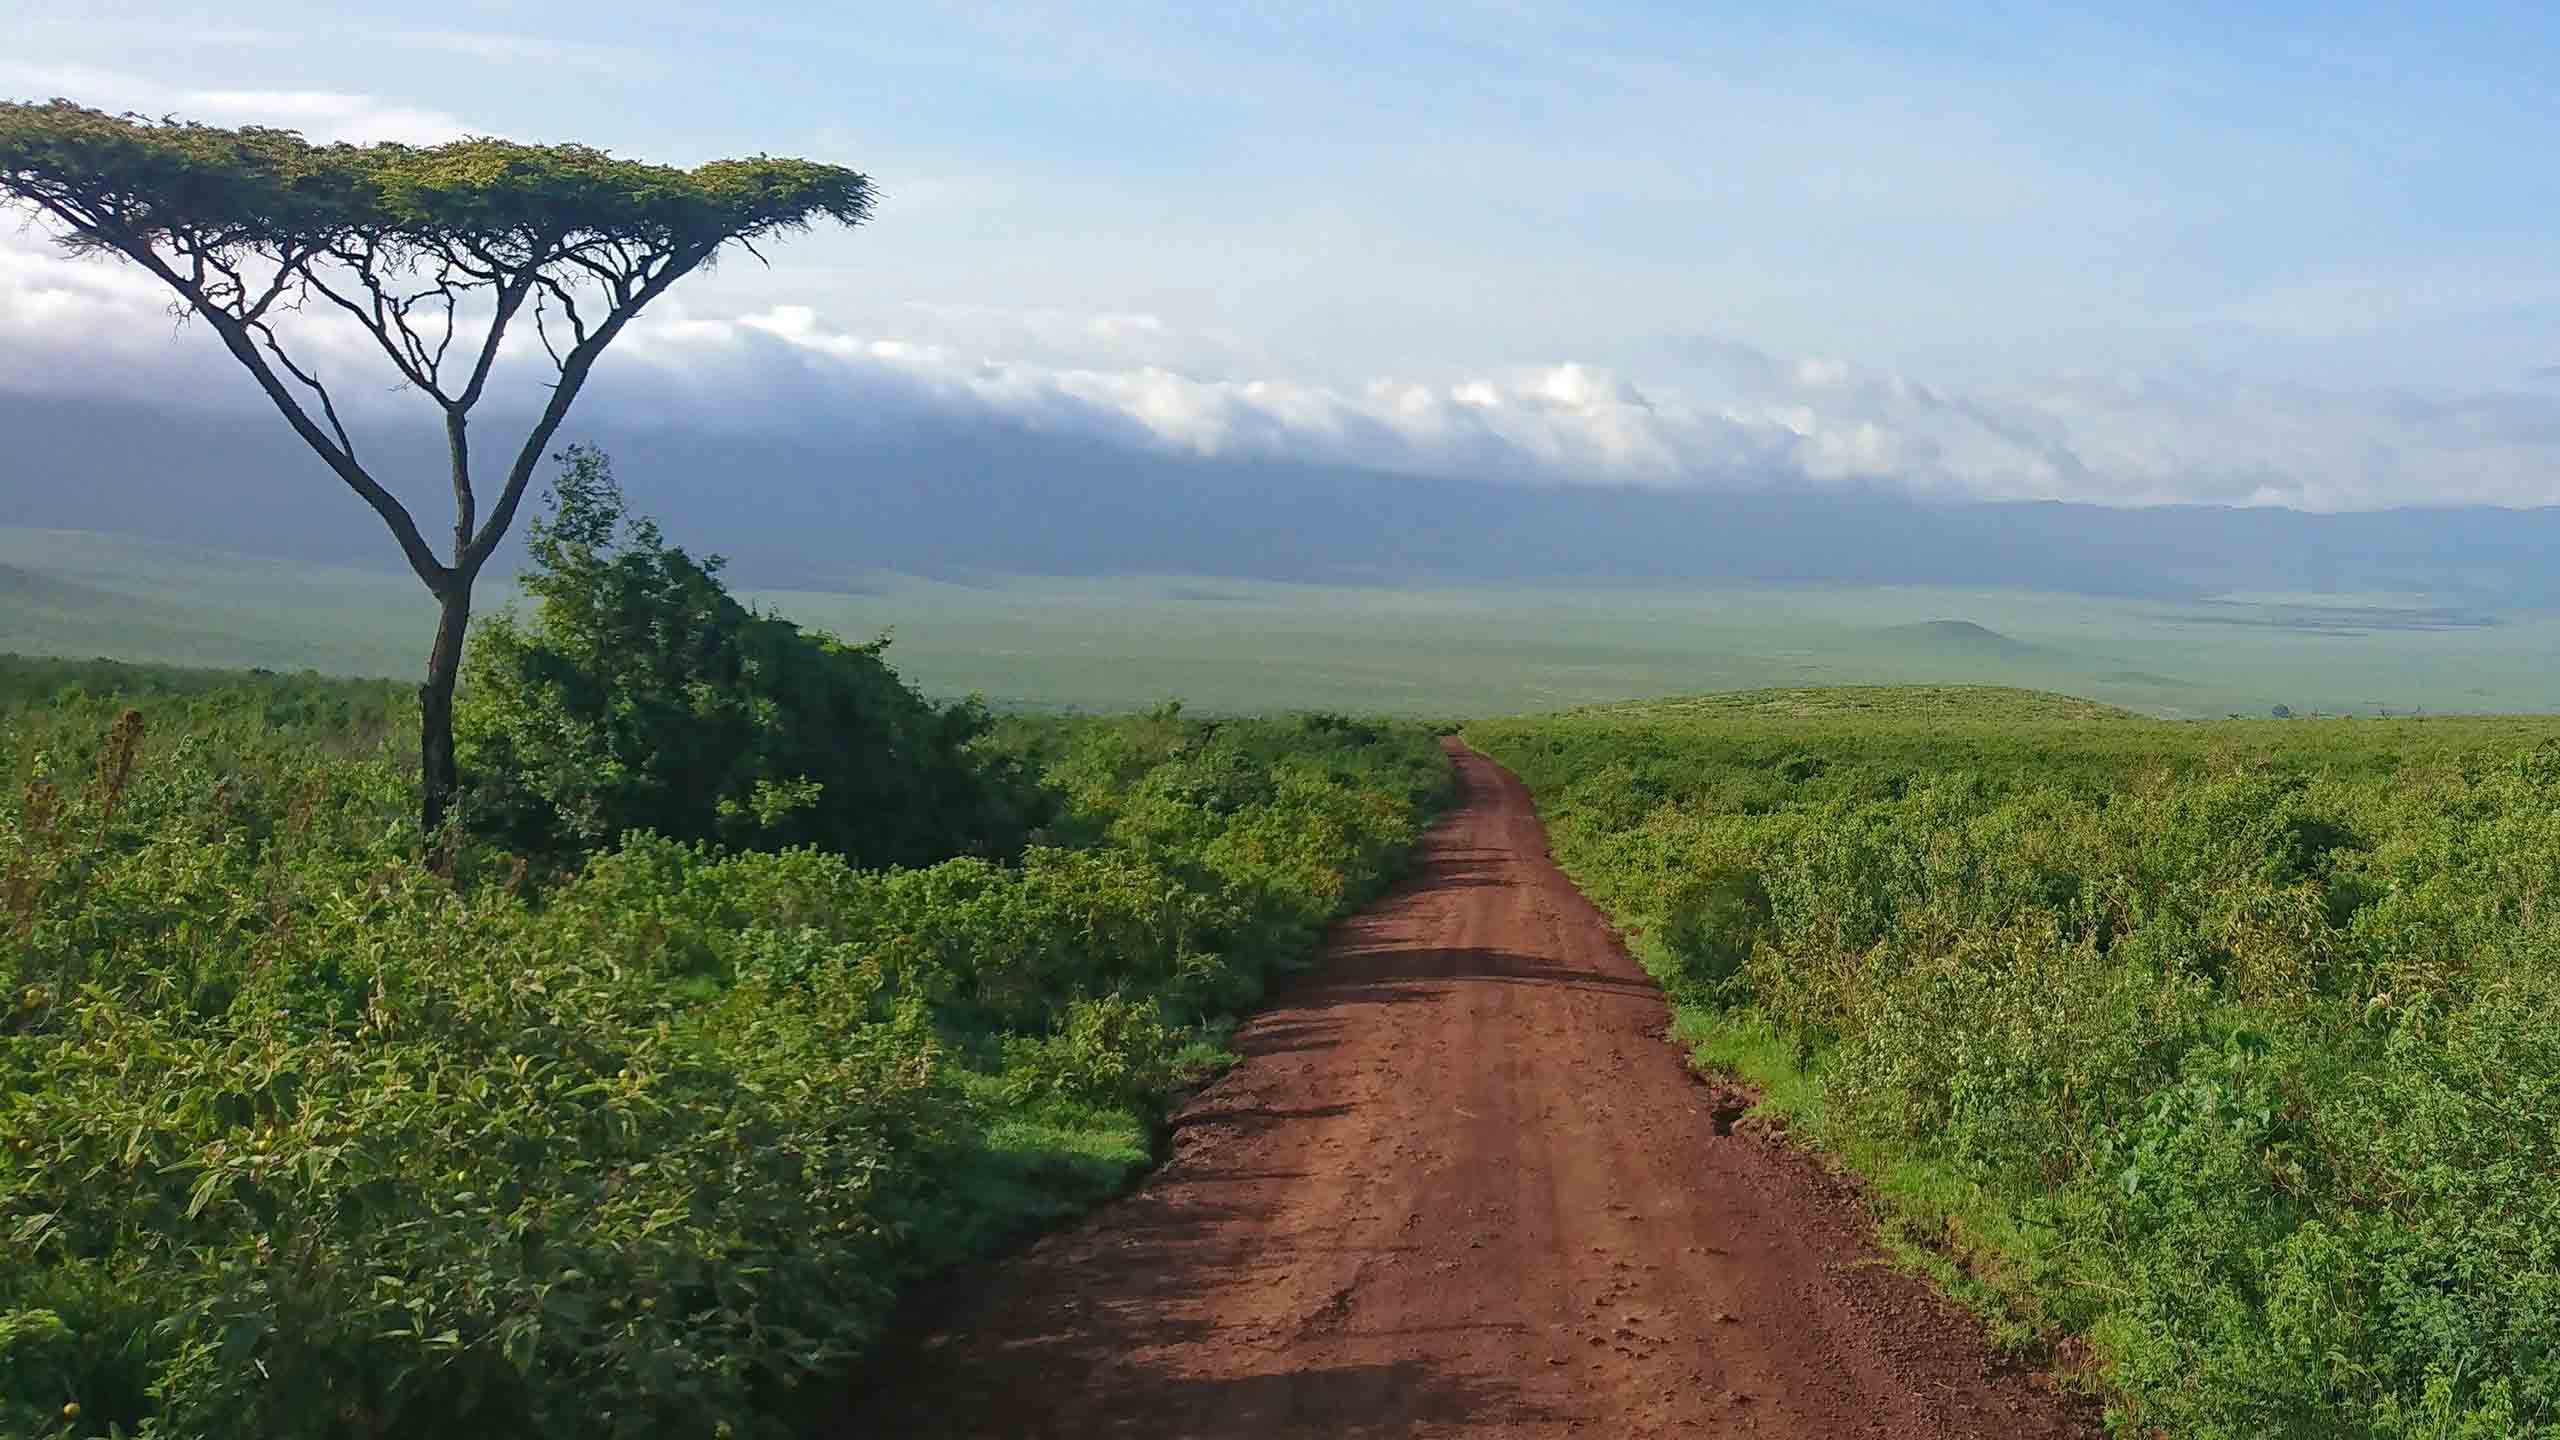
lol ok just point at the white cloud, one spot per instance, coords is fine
(507, 48)
(321, 115)
(1737, 417)
(326, 115)
(109, 34)
(1814, 373)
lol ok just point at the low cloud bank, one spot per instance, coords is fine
(1712, 414)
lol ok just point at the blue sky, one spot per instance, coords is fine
(2295, 237)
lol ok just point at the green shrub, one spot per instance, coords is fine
(644, 697)
(1711, 921)
(1106, 1052)
(2233, 1048)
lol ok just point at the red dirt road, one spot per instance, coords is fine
(1460, 1186)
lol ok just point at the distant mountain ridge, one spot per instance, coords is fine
(797, 511)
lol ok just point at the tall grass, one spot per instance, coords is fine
(2229, 1052)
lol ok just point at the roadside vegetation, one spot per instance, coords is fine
(2222, 1060)
(748, 987)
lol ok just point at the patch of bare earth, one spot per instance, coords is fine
(1460, 1186)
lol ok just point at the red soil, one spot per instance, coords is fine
(1460, 1186)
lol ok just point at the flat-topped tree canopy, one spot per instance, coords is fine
(117, 180)
(420, 245)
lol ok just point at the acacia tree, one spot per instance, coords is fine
(416, 245)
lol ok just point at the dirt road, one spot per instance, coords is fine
(1460, 1186)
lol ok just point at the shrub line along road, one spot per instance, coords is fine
(1460, 1186)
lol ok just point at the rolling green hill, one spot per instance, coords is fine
(1963, 640)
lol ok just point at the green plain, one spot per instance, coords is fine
(1234, 646)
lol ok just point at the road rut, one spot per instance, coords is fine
(1460, 1186)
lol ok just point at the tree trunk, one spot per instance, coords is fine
(435, 708)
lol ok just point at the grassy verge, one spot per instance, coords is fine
(2224, 1056)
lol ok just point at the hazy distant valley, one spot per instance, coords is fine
(1047, 571)
(1235, 644)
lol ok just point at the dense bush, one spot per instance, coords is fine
(2234, 1048)
(644, 697)
(299, 1137)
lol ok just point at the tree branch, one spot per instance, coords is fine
(288, 266)
(542, 331)
(573, 376)
(267, 336)
(375, 318)
(404, 527)
(510, 300)
(614, 280)
(457, 415)
(236, 336)
(457, 443)
(553, 291)
(452, 303)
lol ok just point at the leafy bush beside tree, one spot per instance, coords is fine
(643, 696)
